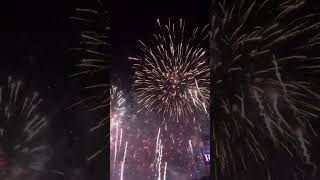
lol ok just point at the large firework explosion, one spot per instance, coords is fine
(94, 52)
(24, 152)
(171, 79)
(172, 71)
(265, 56)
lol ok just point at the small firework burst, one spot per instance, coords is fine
(24, 152)
(117, 105)
(172, 71)
(264, 58)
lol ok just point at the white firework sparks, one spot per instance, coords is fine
(21, 128)
(172, 72)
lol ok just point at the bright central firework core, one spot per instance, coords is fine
(175, 83)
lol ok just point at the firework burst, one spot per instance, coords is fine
(172, 71)
(94, 64)
(23, 150)
(264, 58)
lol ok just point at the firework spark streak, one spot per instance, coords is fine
(120, 141)
(123, 161)
(117, 112)
(172, 72)
(192, 155)
(158, 157)
(94, 41)
(264, 60)
(21, 127)
(115, 146)
(165, 171)
(117, 106)
(94, 52)
(117, 116)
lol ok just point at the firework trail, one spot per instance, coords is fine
(123, 161)
(158, 155)
(193, 160)
(23, 151)
(172, 71)
(115, 146)
(264, 57)
(159, 158)
(118, 113)
(165, 171)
